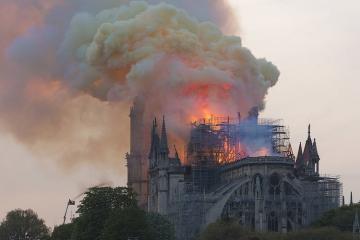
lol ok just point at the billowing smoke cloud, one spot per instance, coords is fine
(67, 84)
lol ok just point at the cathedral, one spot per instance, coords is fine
(243, 169)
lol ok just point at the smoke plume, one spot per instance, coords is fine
(69, 77)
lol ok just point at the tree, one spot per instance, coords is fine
(340, 218)
(62, 232)
(159, 227)
(126, 223)
(231, 230)
(23, 225)
(319, 234)
(225, 230)
(96, 207)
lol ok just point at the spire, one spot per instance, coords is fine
(307, 154)
(351, 199)
(299, 158)
(154, 129)
(163, 141)
(315, 151)
(154, 141)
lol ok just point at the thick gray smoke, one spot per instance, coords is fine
(67, 82)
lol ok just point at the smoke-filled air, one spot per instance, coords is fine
(69, 77)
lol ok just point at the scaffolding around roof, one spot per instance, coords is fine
(221, 140)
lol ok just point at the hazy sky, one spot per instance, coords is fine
(314, 43)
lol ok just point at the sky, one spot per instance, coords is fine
(315, 46)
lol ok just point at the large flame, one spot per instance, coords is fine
(225, 140)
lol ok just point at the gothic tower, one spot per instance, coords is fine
(307, 161)
(137, 158)
(158, 171)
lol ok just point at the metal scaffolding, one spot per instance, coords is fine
(221, 140)
(324, 193)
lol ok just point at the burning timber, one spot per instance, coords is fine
(243, 169)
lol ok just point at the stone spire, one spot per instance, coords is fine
(315, 151)
(351, 199)
(154, 149)
(299, 158)
(308, 147)
(315, 157)
(309, 162)
(164, 148)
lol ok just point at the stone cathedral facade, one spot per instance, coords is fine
(269, 192)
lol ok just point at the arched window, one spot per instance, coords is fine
(273, 222)
(246, 190)
(257, 185)
(274, 188)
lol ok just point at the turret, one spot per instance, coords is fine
(299, 158)
(307, 154)
(310, 158)
(164, 148)
(315, 156)
(155, 146)
(299, 164)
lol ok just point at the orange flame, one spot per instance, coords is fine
(202, 93)
(262, 152)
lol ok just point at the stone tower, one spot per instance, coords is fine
(307, 161)
(159, 164)
(137, 161)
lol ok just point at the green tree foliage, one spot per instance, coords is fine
(340, 218)
(62, 232)
(159, 227)
(230, 230)
(319, 234)
(112, 214)
(126, 223)
(95, 209)
(225, 230)
(23, 225)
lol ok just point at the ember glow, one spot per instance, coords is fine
(262, 152)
